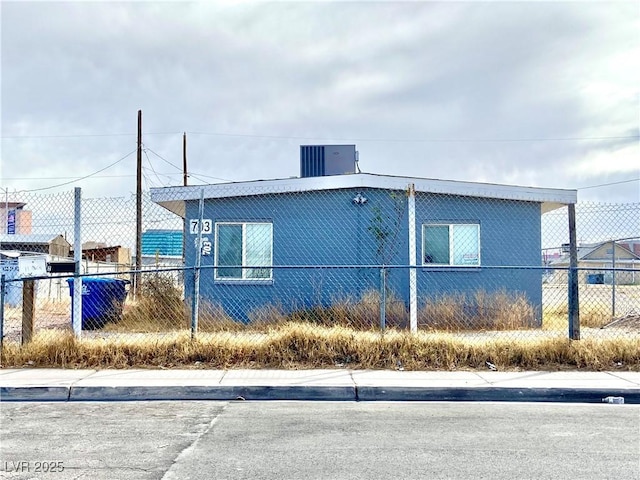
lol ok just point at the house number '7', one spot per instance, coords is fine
(207, 226)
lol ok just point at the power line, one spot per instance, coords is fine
(86, 135)
(68, 178)
(418, 140)
(178, 168)
(609, 184)
(81, 178)
(293, 137)
(152, 169)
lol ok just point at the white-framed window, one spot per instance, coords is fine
(451, 244)
(243, 244)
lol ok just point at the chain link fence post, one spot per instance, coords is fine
(2, 287)
(195, 304)
(383, 298)
(573, 303)
(77, 258)
(413, 279)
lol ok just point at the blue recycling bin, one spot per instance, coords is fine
(102, 300)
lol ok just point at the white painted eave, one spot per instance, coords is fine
(174, 198)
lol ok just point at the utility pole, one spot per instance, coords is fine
(136, 278)
(184, 158)
(184, 181)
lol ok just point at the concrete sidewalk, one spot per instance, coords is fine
(331, 385)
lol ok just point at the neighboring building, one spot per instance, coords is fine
(15, 219)
(162, 243)
(351, 222)
(596, 263)
(100, 252)
(162, 248)
(633, 245)
(36, 243)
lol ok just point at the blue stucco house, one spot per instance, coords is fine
(321, 237)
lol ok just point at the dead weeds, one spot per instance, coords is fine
(299, 345)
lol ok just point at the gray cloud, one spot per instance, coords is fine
(420, 87)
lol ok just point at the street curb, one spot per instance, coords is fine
(495, 394)
(314, 393)
(307, 393)
(34, 394)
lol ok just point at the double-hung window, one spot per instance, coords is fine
(241, 245)
(454, 244)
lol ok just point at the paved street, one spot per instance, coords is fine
(318, 440)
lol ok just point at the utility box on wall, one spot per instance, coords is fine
(322, 160)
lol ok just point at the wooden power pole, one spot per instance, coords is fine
(136, 278)
(184, 181)
(184, 158)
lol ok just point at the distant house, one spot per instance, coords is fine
(162, 242)
(162, 248)
(50, 244)
(339, 226)
(100, 252)
(595, 263)
(15, 218)
(53, 247)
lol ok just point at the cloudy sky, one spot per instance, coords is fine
(526, 93)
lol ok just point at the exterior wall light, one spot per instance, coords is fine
(359, 199)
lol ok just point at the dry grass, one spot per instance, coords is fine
(480, 311)
(357, 313)
(343, 333)
(297, 345)
(592, 315)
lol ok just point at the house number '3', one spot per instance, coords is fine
(207, 226)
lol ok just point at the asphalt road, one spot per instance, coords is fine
(318, 440)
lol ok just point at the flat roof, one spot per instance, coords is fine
(30, 239)
(174, 198)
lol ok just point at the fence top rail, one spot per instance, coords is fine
(431, 268)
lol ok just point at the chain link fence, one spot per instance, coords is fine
(242, 261)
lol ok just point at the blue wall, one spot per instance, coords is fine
(162, 242)
(327, 228)
(510, 236)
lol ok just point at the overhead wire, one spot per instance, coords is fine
(189, 174)
(85, 135)
(609, 184)
(151, 166)
(348, 139)
(80, 178)
(418, 140)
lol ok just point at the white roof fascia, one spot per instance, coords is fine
(172, 198)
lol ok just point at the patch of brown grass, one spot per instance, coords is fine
(357, 313)
(480, 311)
(592, 315)
(298, 345)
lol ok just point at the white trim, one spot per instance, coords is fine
(173, 198)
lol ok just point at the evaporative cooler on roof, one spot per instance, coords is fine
(321, 160)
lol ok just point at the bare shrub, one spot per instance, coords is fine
(213, 318)
(159, 307)
(267, 316)
(357, 313)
